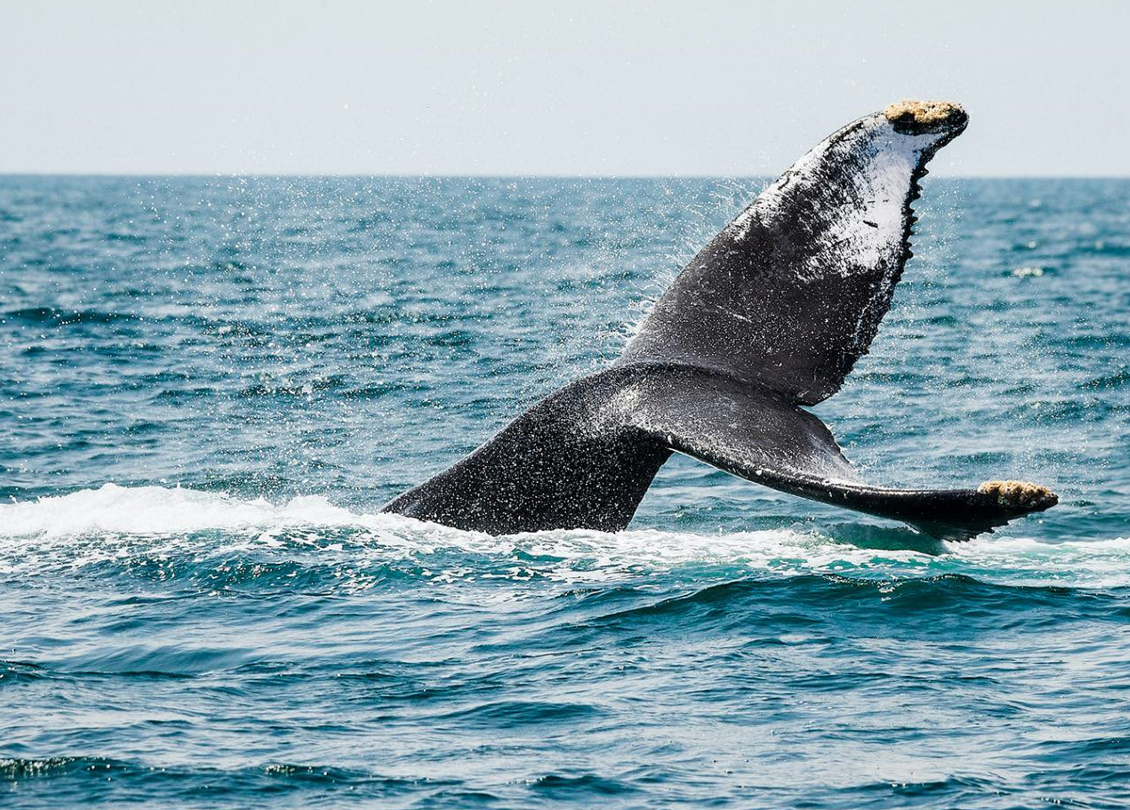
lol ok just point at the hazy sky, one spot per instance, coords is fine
(608, 88)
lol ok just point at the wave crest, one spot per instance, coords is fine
(161, 510)
(143, 528)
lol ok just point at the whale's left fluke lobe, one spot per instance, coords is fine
(768, 317)
(791, 292)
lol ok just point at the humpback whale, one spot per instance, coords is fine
(767, 318)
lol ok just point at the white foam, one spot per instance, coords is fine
(113, 522)
(159, 510)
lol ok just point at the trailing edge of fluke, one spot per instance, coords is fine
(770, 316)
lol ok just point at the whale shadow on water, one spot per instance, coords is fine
(768, 318)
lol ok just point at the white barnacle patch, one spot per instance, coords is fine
(1019, 494)
(922, 113)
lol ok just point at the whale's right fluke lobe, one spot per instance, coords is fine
(767, 440)
(791, 292)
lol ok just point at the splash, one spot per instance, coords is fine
(112, 509)
(120, 525)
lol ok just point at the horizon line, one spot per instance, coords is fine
(509, 176)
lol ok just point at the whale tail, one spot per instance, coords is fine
(771, 315)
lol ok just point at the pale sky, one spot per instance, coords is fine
(521, 87)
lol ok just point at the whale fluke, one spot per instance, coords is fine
(770, 316)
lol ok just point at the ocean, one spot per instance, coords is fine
(209, 387)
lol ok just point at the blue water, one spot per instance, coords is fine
(208, 387)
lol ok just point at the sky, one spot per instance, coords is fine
(526, 87)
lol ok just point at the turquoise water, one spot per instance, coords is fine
(208, 387)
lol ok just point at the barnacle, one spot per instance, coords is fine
(1019, 494)
(923, 113)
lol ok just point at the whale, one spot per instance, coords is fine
(766, 320)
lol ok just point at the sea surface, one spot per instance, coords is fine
(209, 387)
